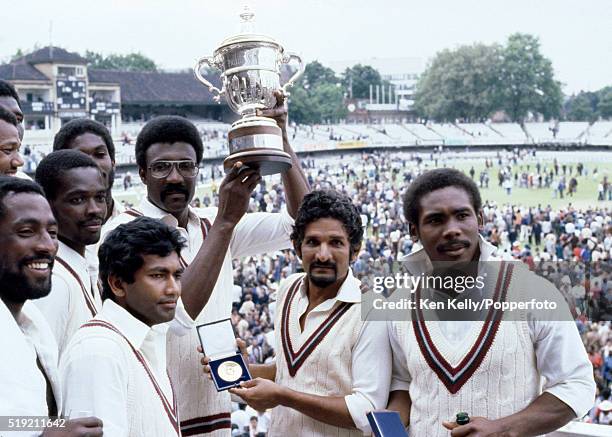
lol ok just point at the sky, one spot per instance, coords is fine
(576, 35)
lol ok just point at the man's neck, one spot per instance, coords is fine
(77, 247)
(123, 304)
(182, 218)
(14, 307)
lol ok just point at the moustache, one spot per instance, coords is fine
(94, 220)
(450, 245)
(327, 265)
(173, 189)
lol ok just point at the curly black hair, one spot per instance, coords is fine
(8, 90)
(75, 128)
(167, 129)
(328, 204)
(53, 166)
(8, 116)
(436, 180)
(11, 184)
(121, 253)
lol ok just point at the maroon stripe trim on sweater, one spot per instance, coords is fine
(87, 295)
(295, 360)
(460, 374)
(207, 424)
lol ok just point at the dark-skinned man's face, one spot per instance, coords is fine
(94, 146)
(28, 244)
(172, 193)
(10, 104)
(448, 226)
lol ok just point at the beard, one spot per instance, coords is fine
(323, 281)
(16, 287)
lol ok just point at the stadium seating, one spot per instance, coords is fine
(328, 137)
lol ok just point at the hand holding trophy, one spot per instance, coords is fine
(250, 65)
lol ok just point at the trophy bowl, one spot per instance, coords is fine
(250, 65)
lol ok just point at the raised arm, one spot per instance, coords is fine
(294, 180)
(200, 277)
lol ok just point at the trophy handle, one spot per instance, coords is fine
(286, 59)
(208, 60)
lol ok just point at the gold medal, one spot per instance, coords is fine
(229, 371)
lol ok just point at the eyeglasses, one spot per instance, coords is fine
(186, 168)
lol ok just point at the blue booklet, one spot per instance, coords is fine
(386, 424)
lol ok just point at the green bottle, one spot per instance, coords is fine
(463, 418)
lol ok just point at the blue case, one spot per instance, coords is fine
(219, 344)
(225, 385)
(386, 424)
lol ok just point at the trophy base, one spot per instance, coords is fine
(266, 161)
(258, 143)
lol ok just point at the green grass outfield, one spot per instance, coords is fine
(585, 197)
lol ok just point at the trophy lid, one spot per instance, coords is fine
(247, 33)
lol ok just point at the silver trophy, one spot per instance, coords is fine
(250, 65)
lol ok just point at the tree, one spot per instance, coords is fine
(129, 62)
(357, 80)
(317, 97)
(604, 106)
(460, 84)
(582, 107)
(329, 101)
(301, 107)
(527, 82)
(316, 74)
(18, 54)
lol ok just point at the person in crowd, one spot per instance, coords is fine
(30, 382)
(76, 191)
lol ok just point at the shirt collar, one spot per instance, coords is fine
(418, 262)
(150, 210)
(132, 328)
(73, 259)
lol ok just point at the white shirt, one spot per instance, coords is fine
(94, 367)
(236, 293)
(371, 356)
(66, 307)
(241, 419)
(560, 355)
(263, 419)
(23, 389)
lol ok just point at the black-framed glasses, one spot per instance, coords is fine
(186, 168)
